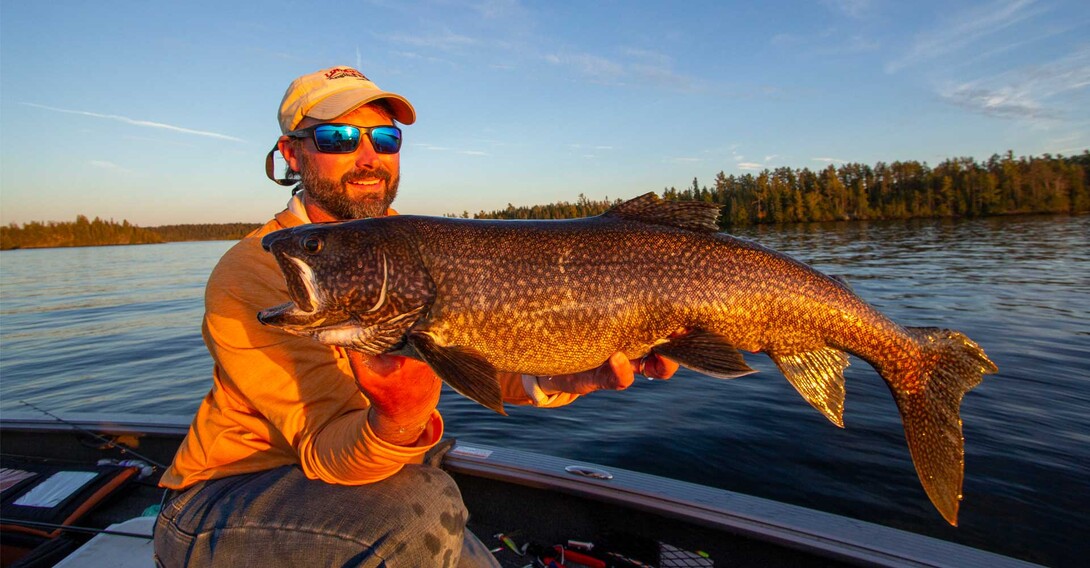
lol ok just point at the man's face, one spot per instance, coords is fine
(350, 186)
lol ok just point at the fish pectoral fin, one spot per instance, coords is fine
(464, 369)
(706, 352)
(819, 377)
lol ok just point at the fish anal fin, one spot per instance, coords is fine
(706, 352)
(818, 375)
(463, 368)
(648, 208)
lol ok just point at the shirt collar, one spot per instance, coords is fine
(295, 205)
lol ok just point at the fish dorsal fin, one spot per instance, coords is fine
(648, 208)
(819, 377)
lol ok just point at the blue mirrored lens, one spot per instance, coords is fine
(386, 139)
(336, 138)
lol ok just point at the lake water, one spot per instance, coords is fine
(117, 329)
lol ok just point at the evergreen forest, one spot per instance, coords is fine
(960, 187)
(84, 232)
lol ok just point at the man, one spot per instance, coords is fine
(306, 454)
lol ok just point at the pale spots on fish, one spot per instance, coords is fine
(557, 297)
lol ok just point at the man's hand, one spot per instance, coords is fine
(403, 394)
(616, 374)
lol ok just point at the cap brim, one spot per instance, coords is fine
(347, 101)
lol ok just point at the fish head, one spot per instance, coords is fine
(351, 284)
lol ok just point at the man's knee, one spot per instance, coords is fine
(431, 517)
(430, 492)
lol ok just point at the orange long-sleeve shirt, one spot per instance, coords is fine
(279, 399)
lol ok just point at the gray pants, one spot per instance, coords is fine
(280, 518)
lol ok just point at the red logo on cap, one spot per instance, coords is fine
(341, 72)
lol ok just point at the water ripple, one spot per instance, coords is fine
(118, 329)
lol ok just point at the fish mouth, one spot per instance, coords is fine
(350, 333)
(302, 287)
(301, 312)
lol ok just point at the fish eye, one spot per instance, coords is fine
(312, 244)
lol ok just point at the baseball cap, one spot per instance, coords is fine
(331, 92)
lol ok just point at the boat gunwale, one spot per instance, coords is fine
(816, 532)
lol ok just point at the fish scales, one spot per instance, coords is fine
(478, 298)
(507, 289)
(558, 284)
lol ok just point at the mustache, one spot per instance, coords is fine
(380, 173)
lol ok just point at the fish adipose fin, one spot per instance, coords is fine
(462, 368)
(819, 377)
(706, 352)
(929, 397)
(648, 208)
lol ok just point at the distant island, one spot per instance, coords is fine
(84, 233)
(961, 187)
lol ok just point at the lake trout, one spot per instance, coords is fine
(475, 298)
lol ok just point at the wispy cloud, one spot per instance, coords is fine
(629, 67)
(832, 41)
(830, 160)
(1033, 92)
(1003, 101)
(444, 40)
(143, 123)
(420, 57)
(434, 148)
(850, 8)
(104, 165)
(966, 28)
(498, 9)
(597, 68)
(743, 164)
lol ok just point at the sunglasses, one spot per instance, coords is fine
(345, 138)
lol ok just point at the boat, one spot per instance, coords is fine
(524, 506)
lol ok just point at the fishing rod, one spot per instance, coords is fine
(109, 443)
(72, 528)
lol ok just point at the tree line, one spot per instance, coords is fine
(205, 231)
(84, 232)
(960, 187)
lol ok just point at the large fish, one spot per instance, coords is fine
(474, 298)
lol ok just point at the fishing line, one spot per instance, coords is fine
(72, 528)
(109, 443)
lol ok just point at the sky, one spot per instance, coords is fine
(163, 112)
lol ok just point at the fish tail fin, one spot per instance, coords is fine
(929, 397)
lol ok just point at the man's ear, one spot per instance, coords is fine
(287, 149)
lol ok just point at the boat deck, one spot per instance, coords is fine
(538, 499)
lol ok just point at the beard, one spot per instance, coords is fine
(333, 195)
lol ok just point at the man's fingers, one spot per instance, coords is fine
(659, 367)
(623, 373)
